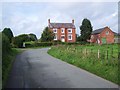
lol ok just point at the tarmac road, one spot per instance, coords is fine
(35, 68)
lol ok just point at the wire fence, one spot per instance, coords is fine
(107, 56)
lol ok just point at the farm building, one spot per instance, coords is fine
(116, 37)
(102, 36)
(65, 32)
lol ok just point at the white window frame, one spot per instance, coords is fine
(70, 30)
(71, 37)
(54, 30)
(55, 36)
(62, 30)
(63, 35)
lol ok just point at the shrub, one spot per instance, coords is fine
(8, 33)
(5, 44)
(38, 44)
(17, 42)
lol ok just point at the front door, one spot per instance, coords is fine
(103, 40)
(63, 38)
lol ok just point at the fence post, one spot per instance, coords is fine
(86, 52)
(107, 56)
(112, 57)
(98, 54)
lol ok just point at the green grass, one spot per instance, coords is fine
(7, 61)
(86, 57)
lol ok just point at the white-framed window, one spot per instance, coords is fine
(55, 37)
(69, 30)
(70, 37)
(62, 30)
(62, 36)
(92, 37)
(55, 30)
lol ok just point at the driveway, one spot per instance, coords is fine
(35, 68)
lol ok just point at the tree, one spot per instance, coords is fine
(86, 30)
(47, 35)
(32, 37)
(8, 33)
(18, 40)
(5, 44)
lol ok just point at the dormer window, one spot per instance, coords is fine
(62, 30)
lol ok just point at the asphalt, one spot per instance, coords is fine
(36, 69)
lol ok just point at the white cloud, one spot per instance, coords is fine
(59, 1)
(33, 17)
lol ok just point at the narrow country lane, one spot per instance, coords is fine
(35, 68)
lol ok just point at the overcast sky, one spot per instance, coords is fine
(32, 17)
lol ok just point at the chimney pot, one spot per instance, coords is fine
(73, 21)
(49, 22)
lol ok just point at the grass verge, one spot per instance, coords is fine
(7, 61)
(86, 57)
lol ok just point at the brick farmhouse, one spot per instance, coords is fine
(65, 32)
(102, 36)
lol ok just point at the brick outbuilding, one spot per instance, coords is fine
(102, 36)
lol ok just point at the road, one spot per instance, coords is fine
(35, 68)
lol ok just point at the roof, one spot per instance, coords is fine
(116, 34)
(97, 31)
(62, 25)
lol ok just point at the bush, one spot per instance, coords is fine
(8, 33)
(5, 44)
(17, 42)
(44, 44)
(38, 44)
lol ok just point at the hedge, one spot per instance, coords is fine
(38, 44)
(44, 44)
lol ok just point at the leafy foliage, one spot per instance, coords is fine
(47, 35)
(18, 40)
(86, 30)
(32, 37)
(8, 33)
(5, 45)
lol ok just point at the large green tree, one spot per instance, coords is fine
(32, 37)
(5, 44)
(8, 33)
(47, 35)
(18, 41)
(86, 30)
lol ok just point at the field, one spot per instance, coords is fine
(101, 60)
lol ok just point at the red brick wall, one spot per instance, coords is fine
(66, 35)
(109, 37)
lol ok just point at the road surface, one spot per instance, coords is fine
(35, 68)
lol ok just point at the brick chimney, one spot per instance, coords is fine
(73, 21)
(48, 22)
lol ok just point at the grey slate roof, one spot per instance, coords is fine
(62, 25)
(97, 31)
(116, 34)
